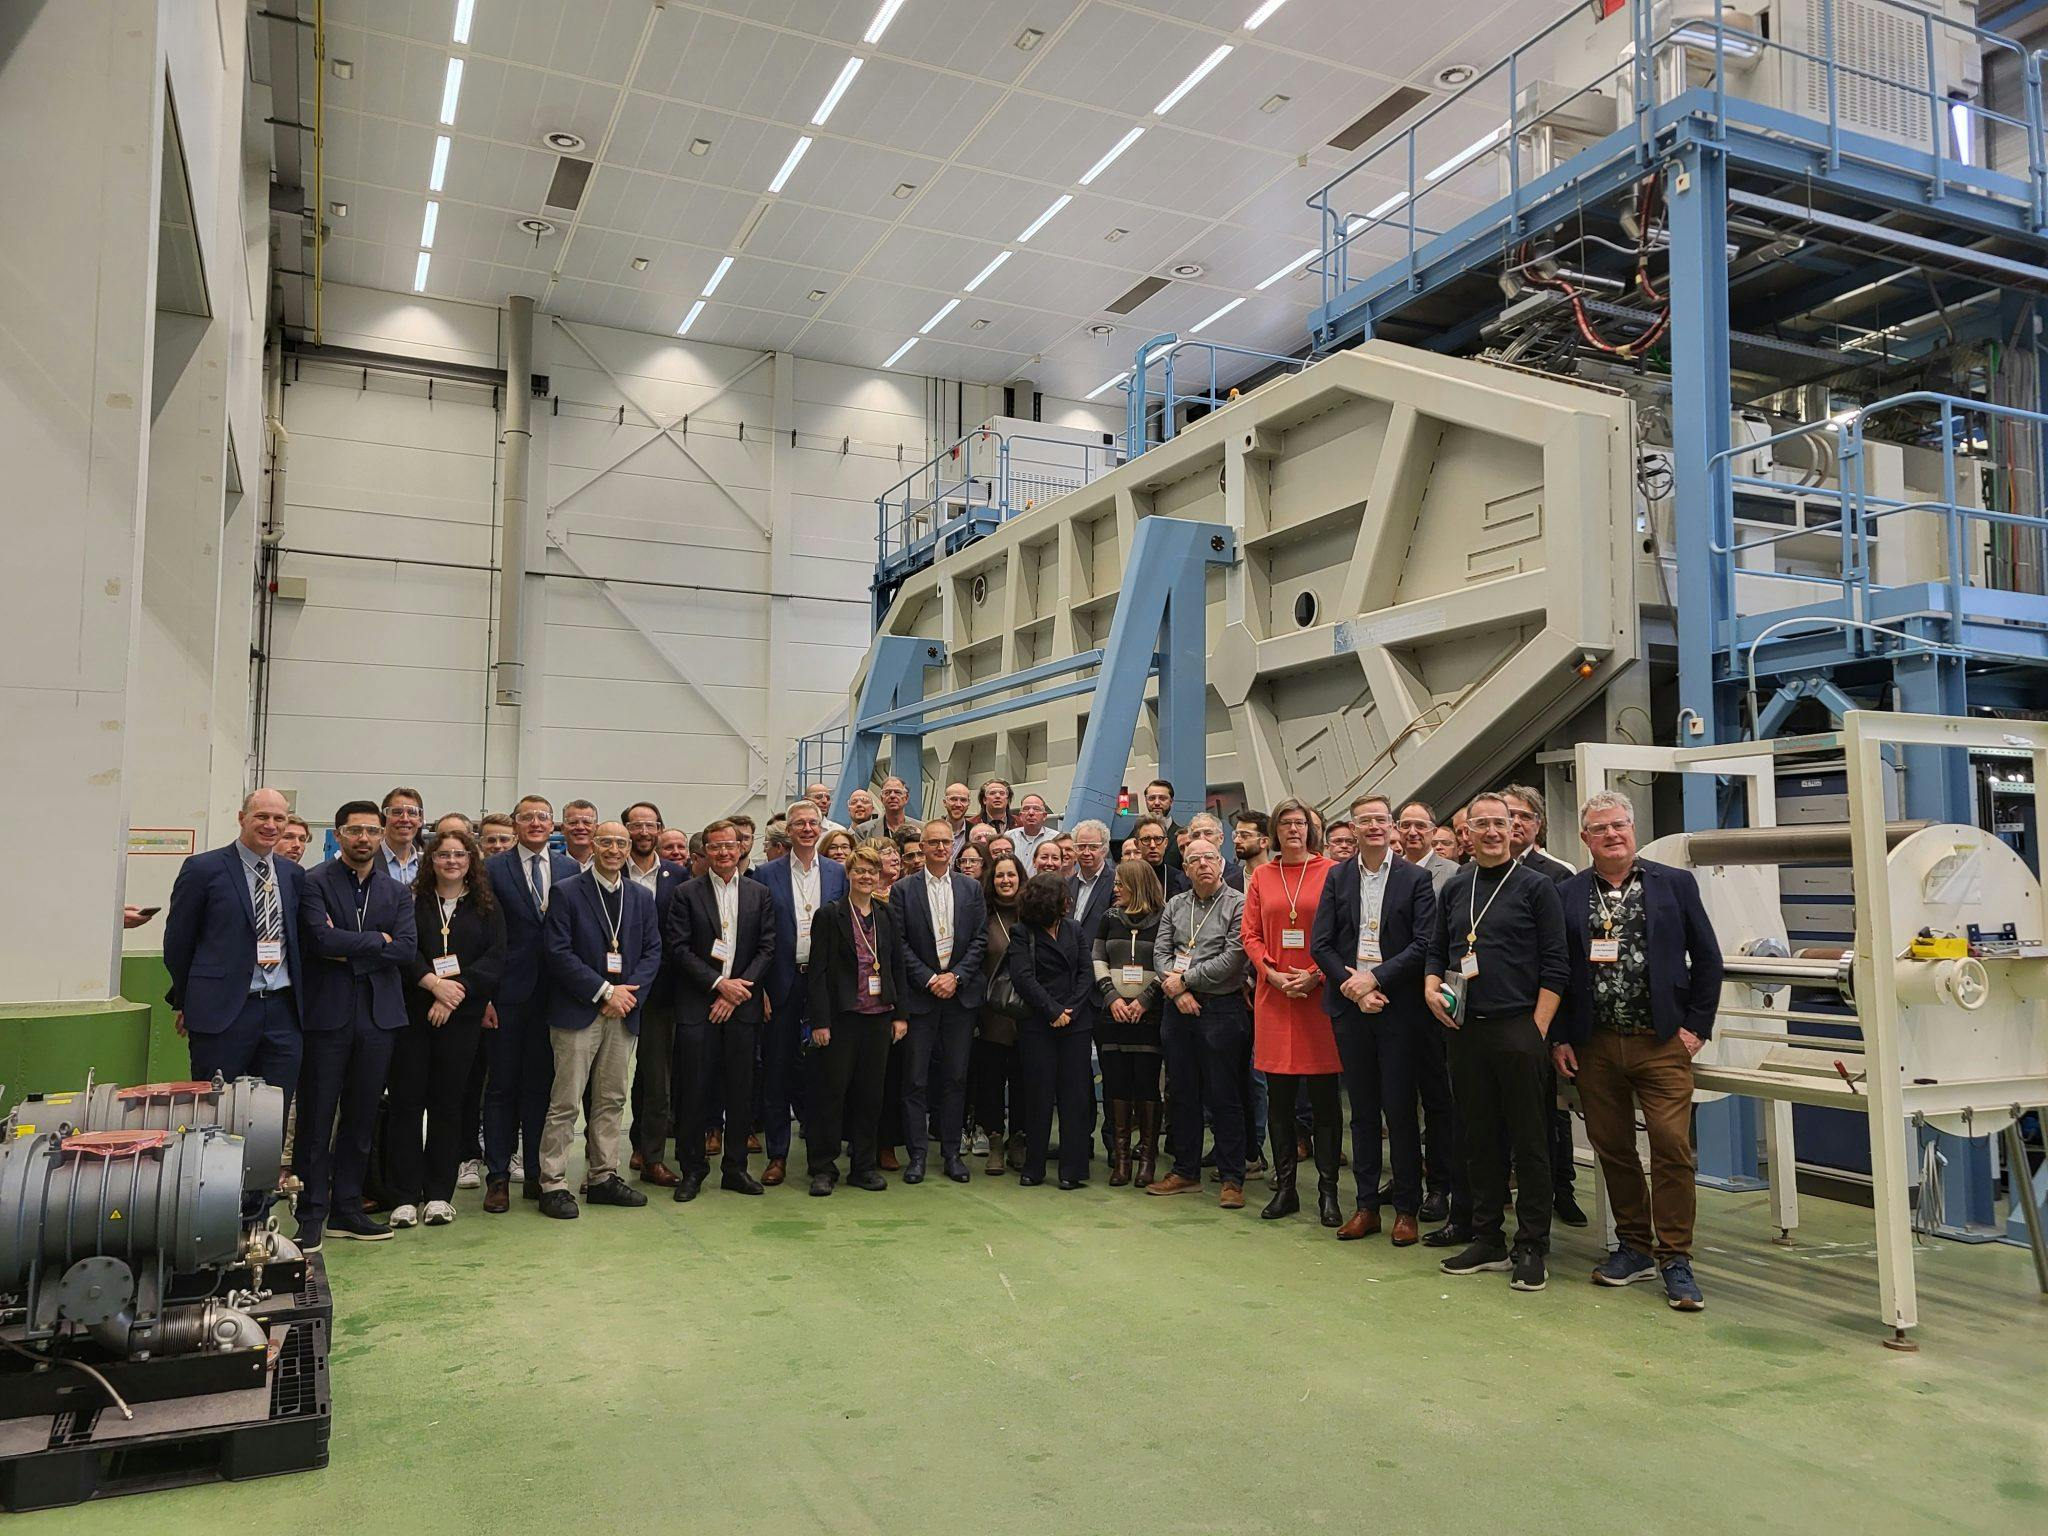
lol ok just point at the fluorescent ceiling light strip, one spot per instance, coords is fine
(944, 310)
(439, 173)
(1226, 309)
(881, 22)
(1107, 384)
(1046, 217)
(1109, 159)
(718, 276)
(1293, 266)
(838, 90)
(789, 165)
(1201, 71)
(690, 319)
(1467, 155)
(419, 272)
(427, 224)
(897, 356)
(465, 12)
(988, 271)
(1262, 15)
(451, 92)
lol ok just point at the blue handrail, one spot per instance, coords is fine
(1151, 419)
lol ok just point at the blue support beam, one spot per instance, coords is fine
(896, 668)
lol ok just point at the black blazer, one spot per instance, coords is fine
(920, 944)
(1407, 921)
(343, 945)
(690, 930)
(1685, 957)
(1053, 976)
(834, 977)
(476, 939)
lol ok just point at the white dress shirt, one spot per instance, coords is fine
(1027, 844)
(938, 891)
(1372, 896)
(539, 865)
(727, 894)
(804, 885)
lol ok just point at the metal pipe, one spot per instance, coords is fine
(1814, 843)
(518, 441)
(319, 158)
(624, 581)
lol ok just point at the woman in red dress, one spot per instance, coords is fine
(1293, 1042)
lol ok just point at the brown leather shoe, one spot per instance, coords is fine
(886, 1160)
(1232, 1198)
(1174, 1184)
(754, 1142)
(1361, 1224)
(658, 1172)
(775, 1172)
(498, 1198)
(1405, 1233)
(713, 1143)
(636, 1161)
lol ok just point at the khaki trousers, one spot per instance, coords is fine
(599, 1057)
(1616, 1072)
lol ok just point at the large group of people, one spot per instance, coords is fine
(444, 1007)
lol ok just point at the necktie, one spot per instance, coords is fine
(540, 897)
(269, 916)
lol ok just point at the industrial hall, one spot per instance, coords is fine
(1152, 767)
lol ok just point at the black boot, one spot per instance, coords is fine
(1327, 1166)
(1285, 1201)
(1148, 1144)
(1120, 1144)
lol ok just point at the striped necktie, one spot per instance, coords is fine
(540, 897)
(269, 916)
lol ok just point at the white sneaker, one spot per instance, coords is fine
(979, 1146)
(405, 1216)
(471, 1176)
(518, 1171)
(439, 1213)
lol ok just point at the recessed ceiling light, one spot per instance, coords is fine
(428, 222)
(979, 325)
(439, 173)
(690, 319)
(1046, 217)
(1186, 269)
(1293, 266)
(465, 13)
(846, 74)
(789, 165)
(897, 356)
(1195, 77)
(1029, 39)
(536, 227)
(344, 69)
(718, 276)
(1109, 159)
(816, 295)
(1099, 329)
(563, 142)
(1274, 103)
(945, 309)
(1115, 235)
(339, 210)
(1211, 320)
(1257, 19)
(988, 271)
(451, 91)
(880, 24)
(639, 263)
(419, 272)
(1106, 384)
(904, 189)
(1451, 76)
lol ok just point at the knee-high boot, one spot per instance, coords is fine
(1285, 1201)
(1120, 1147)
(1148, 1143)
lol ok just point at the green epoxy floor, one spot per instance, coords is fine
(993, 1359)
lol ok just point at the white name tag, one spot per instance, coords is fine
(874, 986)
(1368, 949)
(1180, 962)
(1293, 938)
(1134, 975)
(270, 951)
(1469, 966)
(1606, 951)
(447, 965)
(614, 964)
(803, 925)
(721, 949)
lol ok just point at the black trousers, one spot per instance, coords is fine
(717, 1066)
(1205, 1061)
(1058, 1071)
(341, 1084)
(782, 1066)
(430, 1072)
(1286, 1094)
(1498, 1068)
(993, 1067)
(653, 1099)
(938, 1044)
(520, 1075)
(1132, 1075)
(1379, 1079)
(845, 1082)
(1443, 1151)
(472, 1149)
(1563, 1168)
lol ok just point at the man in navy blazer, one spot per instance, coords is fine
(1645, 983)
(517, 1053)
(944, 923)
(798, 885)
(1371, 940)
(1091, 891)
(357, 926)
(601, 951)
(236, 988)
(653, 1103)
(720, 938)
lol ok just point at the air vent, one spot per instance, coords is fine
(1392, 107)
(1138, 295)
(571, 178)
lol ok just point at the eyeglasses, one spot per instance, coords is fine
(358, 831)
(722, 845)
(1487, 823)
(612, 842)
(1151, 839)
(1607, 828)
(402, 813)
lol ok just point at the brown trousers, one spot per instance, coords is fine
(1616, 1072)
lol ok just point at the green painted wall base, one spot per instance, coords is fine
(48, 1048)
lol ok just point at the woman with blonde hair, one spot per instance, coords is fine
(1127, 1027)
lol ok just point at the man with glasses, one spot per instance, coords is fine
(820, 795)
(1446, 1197)
(1500, 942)
(1031, 832)
(496, 832)
(519, 1057)
(602, 951)
(799, 885)
(944, 925)
(357, 929)
(1526, 825)
(959, 802)
(399, 854)
(653, 1099)
(579, 828)
(1251, 839)
(1205, 1029)
(1149, 841)
(1415, 828)
(995, 805)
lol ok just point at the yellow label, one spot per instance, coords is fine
(24, 1130)
(113, 1215)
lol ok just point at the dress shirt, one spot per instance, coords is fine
(1084, 888)
(804, 892)
(649, 879)
(608, 893)
(727, 894)
(938, 892)
(1027, 844)
(267, 978)
(1372, 895)
(404, 873)
(532, 865)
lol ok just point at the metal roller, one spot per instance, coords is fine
(247, 1107)
(1821, 842)
(1773, 971)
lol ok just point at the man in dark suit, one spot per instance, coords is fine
(519, 1056)
(944, 924)
(654, 1074)
(357, 926)
(1370, 940)
(1528, 817)
(720, 939)
(1091, 891)
(1645, 984)
(1151, 840)
(601, 952)
(231, 944)
(799, 885)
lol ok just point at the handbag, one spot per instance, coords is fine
(1002, 991)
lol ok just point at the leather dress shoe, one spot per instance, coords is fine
(740, 1182)
(1436, 1208)
(913, 1172)
(1067, 1183)
(688, 1186)
(956, 1170)
(560, 1204)
(1030, 1180)
(1363, 1222)
(636, 1161)
(776, 1171)
(870, 1181)
(1564, 1207)
(498, 1198)
(658, 1172)
(821, 1184)
(886, 1161)
(614, 1191)
(1450, 1235)
(1232, 1198)
(714, 1143)
(1327, 1210)
(1404, 1230)
(1285, 1202)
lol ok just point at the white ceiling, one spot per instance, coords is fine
(987, 133)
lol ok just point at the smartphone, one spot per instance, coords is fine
(148, 911)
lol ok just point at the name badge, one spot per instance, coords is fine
(721, 949)
(874, 986)
(1180, 961)
(1293, 938)
(1605, 951)
(1469, 966)
(1368, 949)
(270, 951)
(614, 963)
(447, 965)
(803, 925)
(1134, 975)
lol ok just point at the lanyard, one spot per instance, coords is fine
(1610, 914)
(603, 907)
(447, 912)
(863, 938)
(799, 880)
(1195, 937)
(1294, 893)
(1472, 933)
(1376, 882)
(363, 908)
